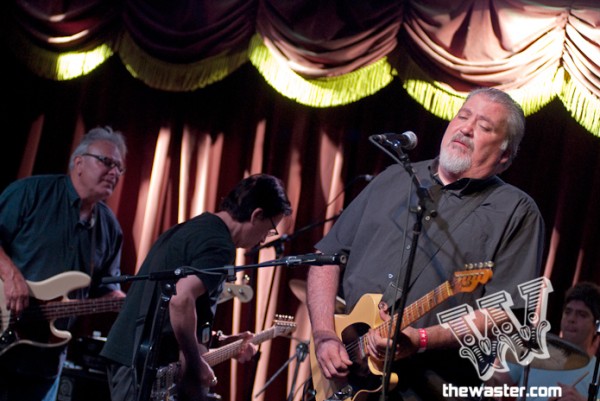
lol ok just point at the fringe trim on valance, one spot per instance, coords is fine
(320, 92)
(583, 105)
(172, 77)
(57, 66)
(442, 102)
(436, 97)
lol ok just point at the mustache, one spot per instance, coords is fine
(463, 139)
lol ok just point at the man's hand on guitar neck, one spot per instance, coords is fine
(247, 350)
(408, 342)
(16, 291)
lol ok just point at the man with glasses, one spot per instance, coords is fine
(247, 215)
(52, 224)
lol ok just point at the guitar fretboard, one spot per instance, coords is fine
(463, 281)
(59, 309)
(419, 308)
(226, 352)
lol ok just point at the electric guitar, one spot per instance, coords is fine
(164, 387)
(365, 373)
(48, 302)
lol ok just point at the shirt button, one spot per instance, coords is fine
(408, 247)
(427, 218)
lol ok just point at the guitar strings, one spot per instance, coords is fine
(419, 308)
(55, 310)
(430, 300)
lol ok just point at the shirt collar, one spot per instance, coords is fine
(75, 202)
(74, 199)
(463, 186)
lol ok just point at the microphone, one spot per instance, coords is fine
(406, 140)
(316, 259)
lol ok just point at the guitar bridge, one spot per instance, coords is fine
(342, 394)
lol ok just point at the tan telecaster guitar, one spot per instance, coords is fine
(48, 302)
(165, 384)
(365, 374)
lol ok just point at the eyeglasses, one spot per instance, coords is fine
(108, 162)
(273, 232)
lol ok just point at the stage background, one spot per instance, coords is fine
(209, 93)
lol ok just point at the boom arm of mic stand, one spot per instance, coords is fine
(425, 199)
(189, 270)
(285, 237)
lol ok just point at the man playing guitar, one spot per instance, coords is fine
(473, 216)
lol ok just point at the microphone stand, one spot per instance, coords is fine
(278, 243)
(423, 204)
(593, 388)
(299, 356)
(149, 349)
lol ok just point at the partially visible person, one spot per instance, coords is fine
(473, 217)
(247, 216)
(578, 327)
(51, 224)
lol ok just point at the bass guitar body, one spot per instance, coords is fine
(48, 301)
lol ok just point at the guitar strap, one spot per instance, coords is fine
(439, 237)
(92, 224)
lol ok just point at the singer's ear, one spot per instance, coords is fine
(257, 214)
(504, 162)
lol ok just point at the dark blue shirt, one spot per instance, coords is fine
(41, 232)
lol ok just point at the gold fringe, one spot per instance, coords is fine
(443, 102)
(583, 105)
(535, 95)
(321, 92)
(436, 97)
(57, 66)
(177, 77)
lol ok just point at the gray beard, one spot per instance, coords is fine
(454, 164)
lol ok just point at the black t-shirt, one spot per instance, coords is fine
(203, 242)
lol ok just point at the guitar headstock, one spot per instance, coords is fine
(243, 292)
(284, 324)
(473, 275)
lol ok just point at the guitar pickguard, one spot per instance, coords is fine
(360, 372)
